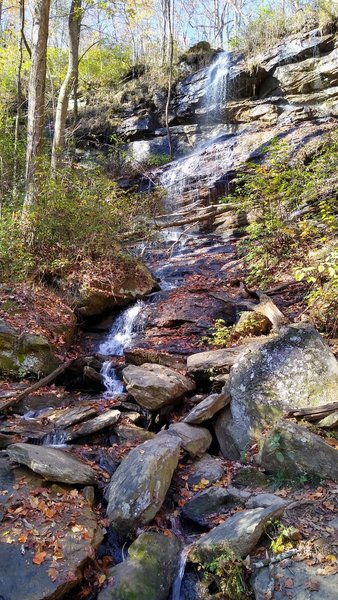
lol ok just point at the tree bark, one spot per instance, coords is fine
(74, 27)
(18, 95)
(36, 99)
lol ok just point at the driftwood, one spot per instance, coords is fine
(38, 384)
(269, 309)
(313, 414)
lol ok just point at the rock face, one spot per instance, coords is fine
(294, 370)
(97, 295)
(148, 572)
(239, 533)
(53, 464)
(154, 386)
(293, 450)
(24, 354)
(195, 440)
(139, 485)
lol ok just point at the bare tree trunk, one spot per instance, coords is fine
(170, 13)
(36, 99)
(74, 27)
(18, 95)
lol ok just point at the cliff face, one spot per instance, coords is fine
(289, 91)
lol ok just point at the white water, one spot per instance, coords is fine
(125, 327)
(176, 589)
(216, 89)
(55, 439)
(185, 176)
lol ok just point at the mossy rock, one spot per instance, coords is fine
(26, 354)
(252, 324)
(149, 571)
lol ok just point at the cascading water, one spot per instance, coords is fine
(185, 177)
(176, 589)
(128, 324)
(216, 89)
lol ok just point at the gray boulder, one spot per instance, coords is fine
(294, 370)
(154, 386)
(139, 485)
(240, 533)
(148, 572)
(214, 501)
(194, 440)
(207, 468)
(53, 464)
(206, 409)
(294, 450)
(24, 354)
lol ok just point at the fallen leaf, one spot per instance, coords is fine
(53, 573)
(313, 585)
(39, 558)
(288, 583)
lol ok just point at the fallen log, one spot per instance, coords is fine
(313, 414)
(38, 384)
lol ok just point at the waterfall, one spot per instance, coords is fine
(184, 178)
(216, 88)
(128, 324)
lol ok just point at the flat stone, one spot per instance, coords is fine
(53, 464)
(302, 576)
(194, 440)
(329, 422)
(139, 485)
(149, 570)
(291, 449)
(264, 501)
(132, 433)
(212, 360)
(64, 418)
(19, 576)
(139, 356)
(239, 533)
(206, 409)
(211, 502)
(106, 419)
(207, 468)
(154, 386)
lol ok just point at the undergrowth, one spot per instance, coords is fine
(293, 225)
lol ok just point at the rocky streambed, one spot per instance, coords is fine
(175, 482)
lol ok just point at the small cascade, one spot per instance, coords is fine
(176, 589)
(125, 327)
(55, 439)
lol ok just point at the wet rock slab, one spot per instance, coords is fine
(53, 464)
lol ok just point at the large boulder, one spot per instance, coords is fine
(24, 354)
(53, 464)
(240, 534)
(132, 280)
(139, 485)
(149, 571)
(291, 449)
(154, 386)
(294, 370)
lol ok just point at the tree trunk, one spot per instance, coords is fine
(74, 27)
(170, 13)
(18, 95)
(36, 99)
